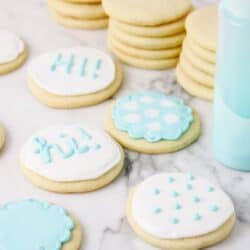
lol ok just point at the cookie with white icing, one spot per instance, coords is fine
(13, 52)
(151, 122)
(72, 158)
(180, 212)
(33, 224)
(74, 77)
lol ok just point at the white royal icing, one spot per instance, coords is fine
(73, 71)
(11, 46)
(174, 206)
(64, 162)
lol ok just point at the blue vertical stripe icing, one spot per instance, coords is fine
(68, 148)
(97, 68)
(82, 71)
(68, 64)
(34, 225)
(152, 116)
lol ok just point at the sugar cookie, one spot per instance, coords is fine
(194, 73)
(163, 30)
(77, 23)
(71, 158)
(83, 1)
(32, 224)
(153, 64)
(199, 63)
(180, 212)
(148, 13)
(205, 54)
(13, 53)
(192, 87)
(151, 122)
(200, 20)
(78, 10)
(74, 77)
(154, 43)
(144, 54)
(2, 137)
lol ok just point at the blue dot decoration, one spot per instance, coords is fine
(174, 221)
(157, 210)
(196, 217)
(177, 206)
(189, 187)
(196, 199)
(213, 208)
(175, 194)
(171, 179)
(210, 189)
(156, 191)
(190, 177)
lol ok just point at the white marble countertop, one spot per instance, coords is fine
(101, 213)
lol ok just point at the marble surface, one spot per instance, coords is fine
(101, 213)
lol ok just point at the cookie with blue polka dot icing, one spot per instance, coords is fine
(71, 159)
(180, 212)
(74, 77)
(151, 122)
(37, 225)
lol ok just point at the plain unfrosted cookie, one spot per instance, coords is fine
(33, 224)
(205, 54)
(201, 26)
(152, 43)
(148, 31)
(198, 62)
(78, 10)
(194, 73)
(153, 64)
(74, 77)
(143, 53)
(13, 53)
(148, 13)
(180, 212)
(2, 137)
(151, 122)
(192, 87)
(70, 159)
(77, 23)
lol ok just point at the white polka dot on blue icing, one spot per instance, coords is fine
(172, 116)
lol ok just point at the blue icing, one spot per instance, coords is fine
(59, 62)
(34, 225)
(152, 116)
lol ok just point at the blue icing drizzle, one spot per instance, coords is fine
(34, 225)
(45, 149)
(152, 116)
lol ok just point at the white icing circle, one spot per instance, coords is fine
(131, 105)
(171, 118)
(73, 71)
(155, 126)
(146, 99)
(172, 206)
(11, 46)
(152, 113)
(167, 104)
(132, 118)
(84, 166)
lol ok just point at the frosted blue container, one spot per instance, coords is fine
(231, 119)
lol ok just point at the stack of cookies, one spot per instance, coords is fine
(196, 68)
(82, 14)
(147, 34)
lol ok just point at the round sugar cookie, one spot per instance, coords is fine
(142, 53)
(163, 30)
(33, 224)
(2, 137)
(71, 159)
(202, 25)
(152, 64)
(78, 10)
(70, 22)
(83, 1)
(13, 53)
(151, 43)
(199, 63)
(180, 211)
(192, 87)
(205, 54)
(151, 122)
(74, 77)
(151, 13)
(194, 73)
